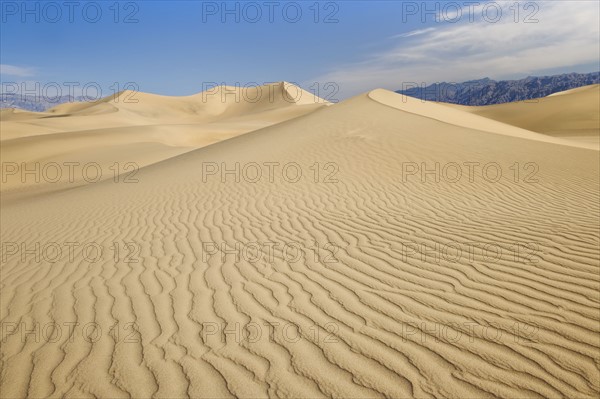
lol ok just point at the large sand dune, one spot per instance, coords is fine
(379, 301)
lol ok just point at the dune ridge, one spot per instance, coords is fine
(374, 319)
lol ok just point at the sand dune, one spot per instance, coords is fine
(571, 115)
(132, 130)
(377, 303)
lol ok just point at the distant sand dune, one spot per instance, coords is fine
(140, 128)
(572, 115)
(375, 319)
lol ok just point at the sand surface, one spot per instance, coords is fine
(358, 264)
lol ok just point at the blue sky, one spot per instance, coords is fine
(179, 47)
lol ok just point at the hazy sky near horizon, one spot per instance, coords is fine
(181, 47)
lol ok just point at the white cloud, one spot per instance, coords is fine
(566, 35)
(413, 33)
(13, 70)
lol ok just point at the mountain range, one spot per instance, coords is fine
(487, 91)
(37, 103)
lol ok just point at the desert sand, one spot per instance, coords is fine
(418, 250)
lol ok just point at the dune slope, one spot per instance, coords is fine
(571, 115)
(374, 277)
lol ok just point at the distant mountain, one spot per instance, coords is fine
(487, 91)
(34, 103)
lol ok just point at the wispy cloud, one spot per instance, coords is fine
(13, 70)
(413, 33)
(565, 36)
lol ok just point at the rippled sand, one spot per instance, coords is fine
(388, 248)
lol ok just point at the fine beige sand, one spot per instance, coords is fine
(409, 250)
